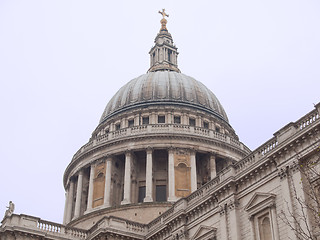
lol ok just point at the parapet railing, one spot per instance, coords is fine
(120, 224)
(307, 121)
(59, 228)
(34, 223)
(158, 129)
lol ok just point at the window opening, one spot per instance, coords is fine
(145, 120)
(177, 119)
(161, 193)
(192, 122)
(131, 123)
(142, 194)
(161, 119)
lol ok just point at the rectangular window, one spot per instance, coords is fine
(118, 126)
(206, 125)
(192, 122)
(142, 194)
(145, 120)
(131, 123)
(161, 193)
(217, 129)
(161, 119)
(177, 119)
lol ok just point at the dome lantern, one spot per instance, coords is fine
(164, 54)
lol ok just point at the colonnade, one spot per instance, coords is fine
(73, 207)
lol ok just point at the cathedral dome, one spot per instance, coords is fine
(162, 136)
(167, 88)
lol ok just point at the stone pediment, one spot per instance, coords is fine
(204, 232)
(260, 201)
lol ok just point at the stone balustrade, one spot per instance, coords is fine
(158, 129)
(34, 224)
(49, 226)
(307, 120)
(304, 123)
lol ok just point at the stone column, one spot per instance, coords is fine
(148, 197)
(70, 201)
(79, 195)
(213, 171)
(90, 193)
(193, 171)
(107, 186)
(171, 182)
(65, 207)
(127, 180)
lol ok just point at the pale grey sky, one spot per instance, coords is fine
(61, 62)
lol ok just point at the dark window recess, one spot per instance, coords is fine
(107, 130)
(206, 125)
(142, 194)
(177, 119)
(169, 55)
(131, 123)
(217, 129)
(192, 122)
(161, 193)
(145, 120)
(161, 119)
(118, 126)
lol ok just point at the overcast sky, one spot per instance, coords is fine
(61, 62)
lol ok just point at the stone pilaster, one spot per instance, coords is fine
(193, 171)
(107, 186)
(274, 223)
(149, 160)
(223, 222)
(127, 180)
(287, 202)
(298, 191)
(234, 219)
(79, 195)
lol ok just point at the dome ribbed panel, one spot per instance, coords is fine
(163, 87)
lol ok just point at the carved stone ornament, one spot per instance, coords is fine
(259, 202)
(205, 233)
(10, 210)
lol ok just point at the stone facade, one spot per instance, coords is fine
(164, 163)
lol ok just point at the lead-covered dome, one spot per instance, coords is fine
(164, 87)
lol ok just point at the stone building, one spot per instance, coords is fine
(164, 163)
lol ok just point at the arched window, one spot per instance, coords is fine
(265, 228)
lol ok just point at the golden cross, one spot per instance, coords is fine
(163, 13)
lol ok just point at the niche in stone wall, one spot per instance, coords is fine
(182, 173)
(203, 169)
(98, 184)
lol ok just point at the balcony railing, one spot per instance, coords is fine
(152, 129)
